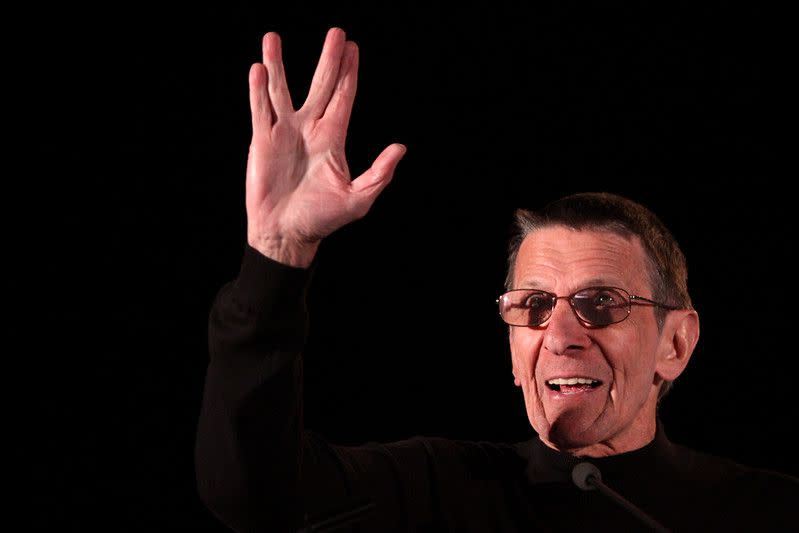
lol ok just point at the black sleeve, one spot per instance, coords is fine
(257, 468)
(250, 427)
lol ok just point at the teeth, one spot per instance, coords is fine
(571, 381)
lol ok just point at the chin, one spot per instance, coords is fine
(567, 437)
(569, 431)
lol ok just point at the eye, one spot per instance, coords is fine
(537, 301)
(606, 298)
(536, 308)
(600, 306)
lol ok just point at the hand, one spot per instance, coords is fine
(299, 188)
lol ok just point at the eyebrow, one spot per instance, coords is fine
(529, 284)
(593, 282)
(602, 282)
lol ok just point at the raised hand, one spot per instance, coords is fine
(299, 188)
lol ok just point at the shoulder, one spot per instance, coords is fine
(736, 482)
(459, 457)
(709, 492)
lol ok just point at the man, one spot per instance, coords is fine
(614, 335)
(600, 322)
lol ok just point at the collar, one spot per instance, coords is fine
(545, 465)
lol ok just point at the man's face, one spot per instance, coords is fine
(619, 413)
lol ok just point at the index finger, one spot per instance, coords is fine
(278, 88)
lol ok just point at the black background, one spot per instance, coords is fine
(139, 120)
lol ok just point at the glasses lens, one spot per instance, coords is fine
(600, 306)
(525, 308)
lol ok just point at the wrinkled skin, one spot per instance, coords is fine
(630, 358)
(299, 189)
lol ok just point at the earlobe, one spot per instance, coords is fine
(679, 338)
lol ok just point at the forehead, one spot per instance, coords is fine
(563, 259)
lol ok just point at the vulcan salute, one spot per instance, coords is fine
(600, 323)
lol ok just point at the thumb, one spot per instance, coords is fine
(366, 187)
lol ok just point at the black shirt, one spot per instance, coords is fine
(259, 469)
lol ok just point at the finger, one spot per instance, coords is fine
(366, 187)
(278, 89)
(260, 106)
(340, 107)
(326, 74)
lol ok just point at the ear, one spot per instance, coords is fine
(677, 342)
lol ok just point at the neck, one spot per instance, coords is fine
(612, 446)
(633, 436)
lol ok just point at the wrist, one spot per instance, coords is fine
(287, 251)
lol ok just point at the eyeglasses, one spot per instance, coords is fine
(593, 306)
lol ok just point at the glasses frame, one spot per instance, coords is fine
(632, 299)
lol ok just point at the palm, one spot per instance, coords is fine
(298, 182)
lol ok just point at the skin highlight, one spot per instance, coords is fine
(630, 358)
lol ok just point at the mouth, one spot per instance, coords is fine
(573, 385)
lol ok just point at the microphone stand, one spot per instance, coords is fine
(337, 521)
(588, 477)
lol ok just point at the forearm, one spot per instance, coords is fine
(250, 429)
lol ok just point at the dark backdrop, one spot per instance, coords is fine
(500, 108)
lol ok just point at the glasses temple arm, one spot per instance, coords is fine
(640, 300)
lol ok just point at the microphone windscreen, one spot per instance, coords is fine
(583, 473)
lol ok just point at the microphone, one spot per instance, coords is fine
(339, 520)
(588, 477)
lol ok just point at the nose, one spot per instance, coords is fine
(564, 332)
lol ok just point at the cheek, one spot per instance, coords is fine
(633, 366)
(524, 347)
(646, 359)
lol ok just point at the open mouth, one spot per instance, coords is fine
(572, 385)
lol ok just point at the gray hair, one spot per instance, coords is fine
(666, 266)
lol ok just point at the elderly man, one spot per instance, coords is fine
(600, 323)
